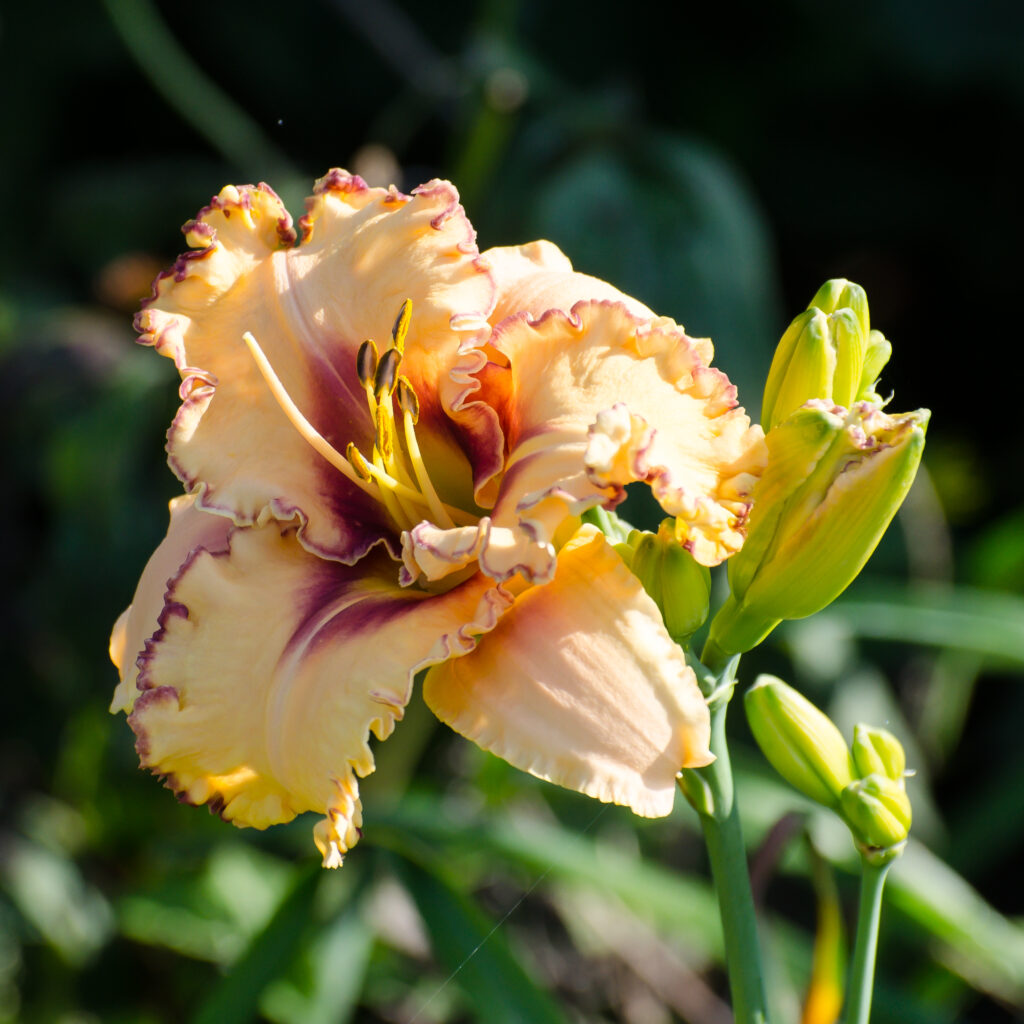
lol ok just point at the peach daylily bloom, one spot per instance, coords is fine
(358, 510)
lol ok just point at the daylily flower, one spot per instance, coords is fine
(387, 439)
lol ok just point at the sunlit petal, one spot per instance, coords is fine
(272, 667)
(598, 399)
(189, 530)
(580, 684)
(537, 277)
(364, 251)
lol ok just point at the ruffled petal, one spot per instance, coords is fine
(190, 530)
(537, 277)
(598, 398)
(310, 306)
(580, 684)
(271, 668)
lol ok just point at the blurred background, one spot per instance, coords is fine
(718, 162)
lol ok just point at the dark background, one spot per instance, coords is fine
(717, 162)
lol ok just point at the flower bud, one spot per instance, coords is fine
(834, 480)
(800, 742)
(678, 585)
(877, 810)
(877, 752)
(828, 352)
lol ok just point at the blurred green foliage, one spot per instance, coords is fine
(719, 175)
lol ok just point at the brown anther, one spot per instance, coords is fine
(387, 371)
(401, 328)
(407, 400)
(357, 461)
(366, 362)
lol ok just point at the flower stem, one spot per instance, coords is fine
(862, 967)
(710, 790)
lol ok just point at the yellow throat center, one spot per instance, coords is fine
(395, 474)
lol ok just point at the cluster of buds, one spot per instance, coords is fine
(864, 784)
(839, 467)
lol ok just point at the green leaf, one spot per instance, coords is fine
(236, 998)
(960, 618)
(335, 967)
(476, 951)
(666, 898)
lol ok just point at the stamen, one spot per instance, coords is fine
(306, 429)
(388, 483)
(387, 371)
(407, 400)
(366, 363)
(401, 328)
(386, 435)
(359, 463)
(410, 406)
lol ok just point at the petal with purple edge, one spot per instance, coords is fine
(579, 683)
(536, 277)
(598, 398)
(190, 530)
(272, 667)
(310, 306)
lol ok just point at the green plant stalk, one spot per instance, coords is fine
(187, 89)
(710, 789)
(862, 967)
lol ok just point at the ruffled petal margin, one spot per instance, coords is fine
(364, 251)
(190, 530)
(538, 277)
(580, 684)
(271, 667)
(595, 399)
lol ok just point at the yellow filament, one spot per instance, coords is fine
(412, 447)
(306, 429)
(401, 500)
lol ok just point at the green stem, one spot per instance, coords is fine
(710, 790)
(862, 967)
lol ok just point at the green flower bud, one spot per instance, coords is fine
(828, 352)
(877, 810)
(679, 586)
(877, 355)
(834, 480)
(877, 752)
(800, 742)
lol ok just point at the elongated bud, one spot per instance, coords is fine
(839, 293)
(828, 352)
(877, 810)
(835, 479)
(679, 586)
(877, 355)
(800, 742)
(877, 752)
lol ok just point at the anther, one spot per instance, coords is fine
(366, 363)
(407, 400)
(387, 370)
(401, 328)
(385, 436)
(357, 461)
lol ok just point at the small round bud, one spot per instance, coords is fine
(800, 742)
(877, 752)
(877, 810)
